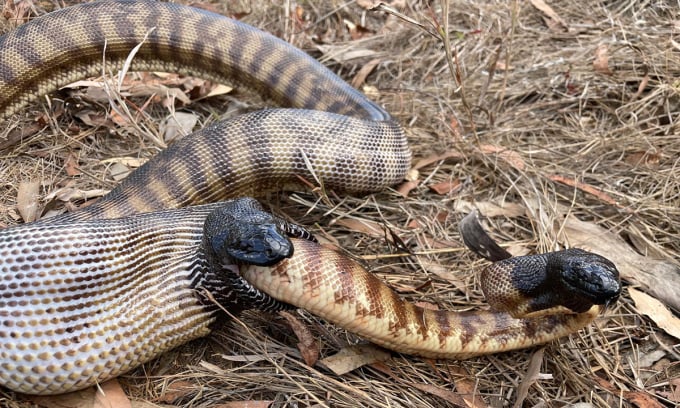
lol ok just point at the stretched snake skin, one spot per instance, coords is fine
(101, 290)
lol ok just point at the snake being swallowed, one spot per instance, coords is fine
(96, 292)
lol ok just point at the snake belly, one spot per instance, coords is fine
(99, 291)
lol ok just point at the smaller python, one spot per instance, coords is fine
(94, 293)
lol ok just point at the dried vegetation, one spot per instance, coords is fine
(559, 122)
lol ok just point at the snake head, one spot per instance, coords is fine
(587, 278)
(241, 232)
(261, 245)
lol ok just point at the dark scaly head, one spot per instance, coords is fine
(568, 281)
(586, 277)
(239, 233)
(242, 232)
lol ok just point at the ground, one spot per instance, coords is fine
(556, 120)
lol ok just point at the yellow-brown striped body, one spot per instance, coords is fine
(331, 285)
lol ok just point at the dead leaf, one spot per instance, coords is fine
(71, 165)
(405, 188)
(213, 368)
(357, 31)
(649, 159)
(641, 87)
(491, 209)
(245, 404)
(641, 399)
(343, 53)
(426, 161)
(352, 357)
(78, 399)
(467, 387)
(446, 187)
(370, 228)
(529, 377)
(133, 162)
(368, 67)
(511, 157)
(501, 66)
(307, 344)
(219, 89)
(656, 311)
(368, 4)
(446, 395)
(27, 200)
(587, 188)
(119, 171)
(250, 358)
(111, 395)
(176, 390)
(93, 118)
(660, 278)
(601, 61)
(178, 125)
(550, 13)
(675, 390)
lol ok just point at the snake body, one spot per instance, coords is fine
(98, 291)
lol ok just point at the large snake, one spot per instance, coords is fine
(99, 291)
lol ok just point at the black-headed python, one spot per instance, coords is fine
(96, 292)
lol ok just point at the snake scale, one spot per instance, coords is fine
(96, 292)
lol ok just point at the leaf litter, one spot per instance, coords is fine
(572, 141)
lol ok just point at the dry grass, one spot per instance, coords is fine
(527, 86)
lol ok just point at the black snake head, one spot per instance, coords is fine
(587, 278)
(241, 232)
(261, 245)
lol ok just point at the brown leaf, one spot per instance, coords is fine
(405, 188)
(641, 399)
(111, 396)
(307, 345)
(360, 77)
(601, 61)
(446, 187)
(178, 125)
(529, 377)
(78, 399)
(426, 161)
(176, 390)
(27, 200)
(369, 4)
(649, 159)
(357, 31)
(511, 157)
(656, 311)
(675, 390)
(550, 13)
(367, 227)
(245, 404)
(446, 395)
(352, 357)
(71, 165)
(587, 188)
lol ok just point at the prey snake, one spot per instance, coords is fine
(101, 290)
